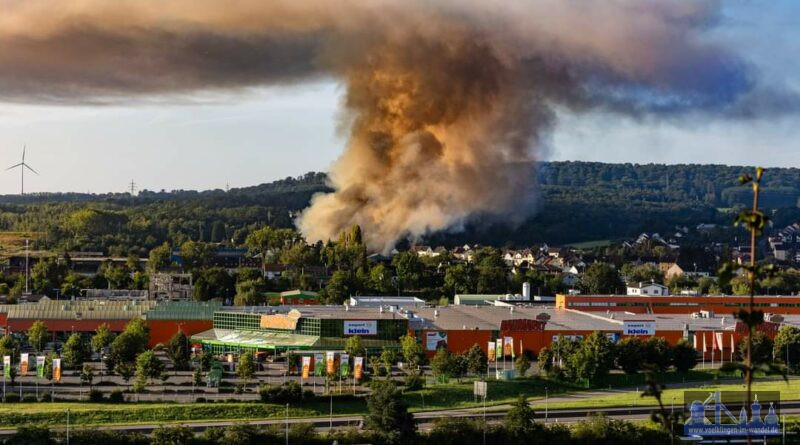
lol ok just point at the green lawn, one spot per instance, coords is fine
(789, 391)
(434, 397)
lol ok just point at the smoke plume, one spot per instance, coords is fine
(446, 101)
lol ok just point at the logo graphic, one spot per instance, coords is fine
(725, 423)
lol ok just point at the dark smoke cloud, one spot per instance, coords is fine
(446, 102)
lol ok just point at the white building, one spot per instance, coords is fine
(648, 289)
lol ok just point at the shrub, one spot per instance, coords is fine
(30, 399)
(116, 396)
(12, 398)
(46, 397)
(414, 381)
(96, 396)
(290, 392)
(200, 400)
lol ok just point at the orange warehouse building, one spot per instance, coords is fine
(534, 327)
(677, 304)
(85, 316)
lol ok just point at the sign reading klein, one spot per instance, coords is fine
(639, 327)
(360, 327)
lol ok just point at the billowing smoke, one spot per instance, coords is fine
(446, 101)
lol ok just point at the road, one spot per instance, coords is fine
(424, 419)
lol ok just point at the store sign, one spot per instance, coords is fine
(360, 327)
(639, 327)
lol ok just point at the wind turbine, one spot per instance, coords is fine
(22, 166)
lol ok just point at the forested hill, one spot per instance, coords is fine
(579, 201)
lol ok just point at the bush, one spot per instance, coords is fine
(414, 381)
(116, 396)
(46, 397)
(200, 400)
(96, 396)
(12, 398)
(30, 399)
(290, 392)
(239, 389)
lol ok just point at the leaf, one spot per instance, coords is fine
(744, 179)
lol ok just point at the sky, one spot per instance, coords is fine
(259, 135)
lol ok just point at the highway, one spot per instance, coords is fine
(424, 419)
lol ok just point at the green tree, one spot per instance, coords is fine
(197, 377)
(102, 337)
(160, 258)
(787, 346)
(380, 279)
(477, 361)
(248, 293)
(388, 358)
(75, 351)
(684, 356)
(461, 279)
(412, 351)
(87, 374)
(172, 435)
(593, 358)
(246, 368)
(630, 354)
(387, 415)
(178, 351)
(354, 346)
(522, 365)
(519, 422)
(126, 371)
(409, 269)
(762, 348)
(214, 282)
(443, 365)
(545, 360)
(37, 335)
(148, 367)
(658, 353)
(339, 287)
(129, 343)
(197, 254)
(601, 278)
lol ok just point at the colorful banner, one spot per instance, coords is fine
(306, 367)
(40, 361)
(24, 364)
(358, 365)
(435, 340)
(491, 351)
(344, 365)
(499, 348)
(330, 362)
(705, 347)
(7, 366)
(319, 365)
(508, 347)
(719, 340)
(733, 348)
(56, 369)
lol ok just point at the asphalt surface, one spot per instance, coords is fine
(424, 420)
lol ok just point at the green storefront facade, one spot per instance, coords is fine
(236, 331)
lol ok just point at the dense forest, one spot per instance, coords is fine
(578, 201)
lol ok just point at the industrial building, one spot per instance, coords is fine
(64, 317)
(706, 322)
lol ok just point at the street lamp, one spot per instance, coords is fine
(545, 404)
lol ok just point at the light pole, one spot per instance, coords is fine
(545, 404)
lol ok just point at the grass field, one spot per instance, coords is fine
(789, 391)
(434, 397)
(13, 243)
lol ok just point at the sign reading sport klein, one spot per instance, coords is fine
(360, 327)
(639, 327)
